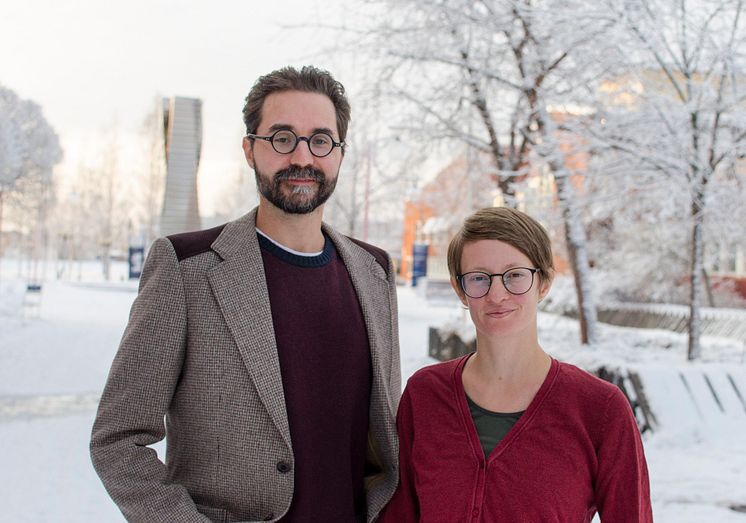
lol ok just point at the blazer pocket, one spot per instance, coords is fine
(216, 515)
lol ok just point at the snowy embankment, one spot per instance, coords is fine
(53, 367)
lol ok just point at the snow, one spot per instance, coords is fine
(52, 369)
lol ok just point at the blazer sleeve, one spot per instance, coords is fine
(404, 505)
(137, 395)
(622, 488)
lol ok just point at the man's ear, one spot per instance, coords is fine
(459, 292)
(248, 150)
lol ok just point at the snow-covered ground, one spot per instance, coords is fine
(52, 368)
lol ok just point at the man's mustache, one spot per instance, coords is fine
(299, 173)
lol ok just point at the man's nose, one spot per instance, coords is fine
(302, 156)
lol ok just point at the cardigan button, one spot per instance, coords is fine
(283, 468)
(475, 512)
(270, 517)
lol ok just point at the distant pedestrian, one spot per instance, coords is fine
(509, 433)
(265, 350)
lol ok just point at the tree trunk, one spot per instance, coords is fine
(574, 232)
(708, 288)
(699, 179)
(695, 350)
(578, 254)
(106, 260)
(504, 183)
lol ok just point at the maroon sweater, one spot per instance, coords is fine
(575, 451)
(322, 344)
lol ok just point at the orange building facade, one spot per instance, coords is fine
(434, 215)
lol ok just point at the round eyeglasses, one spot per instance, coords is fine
(516, 281)
(284, 141)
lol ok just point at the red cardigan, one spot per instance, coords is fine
(575, 451)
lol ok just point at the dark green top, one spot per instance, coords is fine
(491, 426)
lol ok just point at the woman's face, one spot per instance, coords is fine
(500, 313)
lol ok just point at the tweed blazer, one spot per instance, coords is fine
(198, 363)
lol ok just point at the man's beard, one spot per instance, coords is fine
(298, 201)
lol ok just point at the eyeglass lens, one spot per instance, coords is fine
(285, 142)
(516, 281)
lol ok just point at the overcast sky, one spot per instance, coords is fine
(95, 66)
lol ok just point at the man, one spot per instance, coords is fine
(269, 345)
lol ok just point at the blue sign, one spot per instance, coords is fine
(136, 260)
(419, 262)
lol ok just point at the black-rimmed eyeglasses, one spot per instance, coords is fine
(284, 141)
(516, 281)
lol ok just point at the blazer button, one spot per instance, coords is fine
(270, 517)
(283, 467)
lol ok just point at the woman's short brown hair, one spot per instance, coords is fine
(309, 79)
(507, 225)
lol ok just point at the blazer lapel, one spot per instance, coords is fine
(370, 283)
(241, 291)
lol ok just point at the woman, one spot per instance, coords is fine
(508, 433)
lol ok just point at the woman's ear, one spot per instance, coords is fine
(459, 292)
(545, 284)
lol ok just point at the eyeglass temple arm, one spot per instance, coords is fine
(265, 138)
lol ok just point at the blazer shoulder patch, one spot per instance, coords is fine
(379, 254)
(188, 244)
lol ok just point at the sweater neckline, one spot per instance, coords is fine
(320, 260)
(515, 432)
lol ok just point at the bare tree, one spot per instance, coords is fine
(551, 43)
(370, 186)
(432, 58)
(239, 194)
(682, 104)
(98, 212)
(29, 149)
(346, 206)
(154, 171)
(486, 73)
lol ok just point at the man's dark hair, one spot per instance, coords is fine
(309, 79)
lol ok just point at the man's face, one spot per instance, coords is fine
(298, 182)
